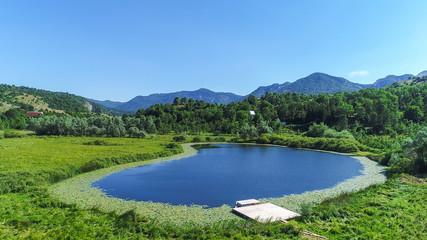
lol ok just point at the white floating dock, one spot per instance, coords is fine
(266, 212)
(248, 202)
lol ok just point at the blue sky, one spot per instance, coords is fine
(120, 49)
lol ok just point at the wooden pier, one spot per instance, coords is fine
(266, 212)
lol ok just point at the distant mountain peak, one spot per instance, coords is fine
(390, 79)
(203, 94)
(323, 83)
(204, 89)
(422, 74)
(314, 83)
(276, 87)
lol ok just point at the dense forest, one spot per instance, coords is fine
(378, 111)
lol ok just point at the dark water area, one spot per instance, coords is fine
(225, 173)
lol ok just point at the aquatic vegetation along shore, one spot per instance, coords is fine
(78, 190)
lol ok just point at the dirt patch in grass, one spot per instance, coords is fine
(412, 179)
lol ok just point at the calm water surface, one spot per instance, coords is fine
(224, 173)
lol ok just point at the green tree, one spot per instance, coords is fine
(247, 132)
(416, 149)
(413, 113)
(264, 128)
(176, 101)
(316, 130)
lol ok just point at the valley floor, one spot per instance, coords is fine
(393, 210)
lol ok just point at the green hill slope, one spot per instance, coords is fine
(33, 99)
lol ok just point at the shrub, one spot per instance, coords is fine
(197, 139)
(263, 139)
(346, 147)
(179, 138)
(217, 133)
(295, 143)
(392, 159)
(345, 134)
(129, 219)
(306, 208)
(330, 133)
(97, 142)
(320, 143)
(14, 134)
(220, 139)
(316, 130)
(321, 130)
(248, 132)
(172, 145)
(328, 144)
(101, 143)
(380, 158)
(399, 166)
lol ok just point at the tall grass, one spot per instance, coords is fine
(31, 162)
(42, 217)
(395, 210)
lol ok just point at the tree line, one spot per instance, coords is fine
(374, 111)
(391, 111)
(67, 125)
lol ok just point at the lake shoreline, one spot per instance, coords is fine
(79, 190)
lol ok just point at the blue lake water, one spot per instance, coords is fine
(224, 173)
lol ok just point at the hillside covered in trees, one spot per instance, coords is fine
(16, 101)
(392, 110)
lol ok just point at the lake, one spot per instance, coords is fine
(224, 173)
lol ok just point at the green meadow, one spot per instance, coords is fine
(34, 162)
(394, 210)
(37, 154)
(31, 166)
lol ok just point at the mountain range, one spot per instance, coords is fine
(146, 101)
(315, 83)
(42, 100)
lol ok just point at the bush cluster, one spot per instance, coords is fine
(329, 144)
(321, 130)
(14, 134)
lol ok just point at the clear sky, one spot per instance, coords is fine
(117, 50)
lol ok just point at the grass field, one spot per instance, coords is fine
(50, 153)
(394, 210)
(32, 162)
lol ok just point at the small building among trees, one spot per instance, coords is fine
(33, 113)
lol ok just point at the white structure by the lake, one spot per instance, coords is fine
(244, 203)
(266, 212)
